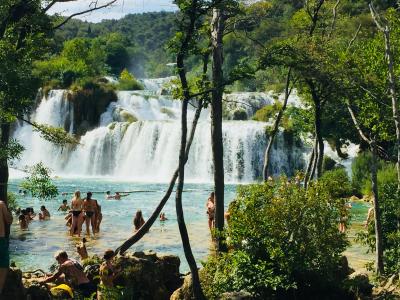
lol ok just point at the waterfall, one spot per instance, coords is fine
(139, 135)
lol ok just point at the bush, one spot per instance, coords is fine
(389, 199)
(127, 82)
(337, 183)
(284, 244)
(386, 174)
(360, 168)
(239, 115)
(12, 201)
(267, 112)
(328, 163)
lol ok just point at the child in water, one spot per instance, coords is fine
(22, 222)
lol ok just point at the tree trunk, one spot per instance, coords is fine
(217, 24)
(392, 84)
(378, 226)
(276, 126)
(309, 167)
(154, 216)
(5, 137)
(197, 291)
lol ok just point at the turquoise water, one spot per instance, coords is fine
(34, 248)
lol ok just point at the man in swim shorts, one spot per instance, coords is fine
(90, 208)
(73, 273)
(5, 222)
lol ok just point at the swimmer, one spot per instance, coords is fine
(90, 208)
(64, 206)
(118, 196)
(163, 217)
(44, 215)
(109, 196)
(23, 224)
(77, 218)
(138, 221)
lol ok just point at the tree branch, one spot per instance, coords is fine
(84, 12)
(334, 18)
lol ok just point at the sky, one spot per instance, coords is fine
(117, 11)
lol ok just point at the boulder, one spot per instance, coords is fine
(185, 292)
(13, 287)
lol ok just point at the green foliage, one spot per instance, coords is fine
(387, 173)
(12, 202)
(283, 240)
(39, 182)
(337, 183)
(56, 135)
(361, 170)
(239, 114)
(268, 112)
(128, 82)
(328, 163)
(390, 217)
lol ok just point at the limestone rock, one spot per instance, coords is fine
(185, 292)
(13, 287)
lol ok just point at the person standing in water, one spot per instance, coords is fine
(138, 221)
(210, 211)
(44, 215)
(90, 208)
(76, 207)
(64, 206)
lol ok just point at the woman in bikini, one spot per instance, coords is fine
(76, 209)
(89, 208)
(210, 211)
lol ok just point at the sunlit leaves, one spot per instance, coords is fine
(39, 182)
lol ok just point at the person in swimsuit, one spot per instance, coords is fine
(107, 272)
(81, 249)
(23, 224)
(90, 208)
(73, 272)
(210, 210)
(76, 207)
(138, 221)
(44, 215)
(98, 215)
(64, 206)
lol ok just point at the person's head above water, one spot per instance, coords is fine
(89, 195)
(116, 193)
(108, 192)
(65, 201)
(42, 208)
(77, 194)
(138, 214)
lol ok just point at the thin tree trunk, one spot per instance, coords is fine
(374, 181)
(379, 268)
(154, 216)
(276, 126)
(392, 83)
(309, 166)
(315, 159)
(5, 138)
(217, 30)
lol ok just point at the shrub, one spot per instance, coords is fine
(328, 163)
(12, 201)
(284, 243)
(267, 112)
(127, 82)
(389, 199)
(239, 115)
(386, 174)
(360, 169)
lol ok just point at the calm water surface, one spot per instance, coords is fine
(35, 247)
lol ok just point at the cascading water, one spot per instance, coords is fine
(138, 139)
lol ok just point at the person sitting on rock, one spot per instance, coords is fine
(74, 274)
(107, 270)
(44, 214)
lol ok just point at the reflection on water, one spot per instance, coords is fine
(34, 248)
